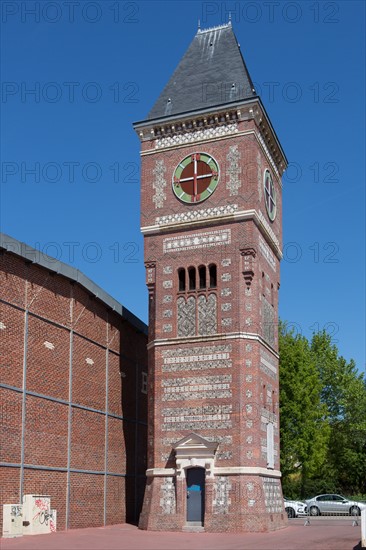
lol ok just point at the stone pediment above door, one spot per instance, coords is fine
(195, 451)
(194, 443)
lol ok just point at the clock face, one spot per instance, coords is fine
(195, 178)
(269, 195)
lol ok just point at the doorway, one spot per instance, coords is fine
(195, 494)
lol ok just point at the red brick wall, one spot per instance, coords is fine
(108, 358)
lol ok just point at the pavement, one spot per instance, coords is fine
(319, 535)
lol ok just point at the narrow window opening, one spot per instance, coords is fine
(202, 276)
(213, 275)
(181, 279)
(192, 278)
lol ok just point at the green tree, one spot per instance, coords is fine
(304, 429)
(344, 395)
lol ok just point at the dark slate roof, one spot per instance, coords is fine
(51, 264)
(212, 72)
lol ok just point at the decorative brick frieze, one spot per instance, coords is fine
(267, 253)
(199, 353)
(224, 455)
(220, 439)
(208, 387)
(197, 240)
(208, 416)
(268, 364)
(268, 229)
(198, 135)
(197, 215)
(268, 324)
(197, 365)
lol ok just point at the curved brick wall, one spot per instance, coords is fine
(73, 413)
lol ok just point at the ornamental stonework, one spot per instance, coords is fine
(197, 215)
(226, 292)
(197, 358)
(167, 500)
(198, 240)
(186, 317)
(221, 501)
(196, 136)
(272, 495)
(207, 315)
(199, 353)
(233, 170)
(267, 253)
(268, 364)
(268, 324)
(207, 387)
(159, 184)
(217, 417)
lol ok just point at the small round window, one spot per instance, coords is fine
(269, 195)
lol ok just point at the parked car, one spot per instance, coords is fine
(334, 504)
(294, 508)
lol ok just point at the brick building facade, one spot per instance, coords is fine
(72, 392)
(211, 168)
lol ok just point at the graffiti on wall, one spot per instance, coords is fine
(43, 514)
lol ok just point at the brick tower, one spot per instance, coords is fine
(211, 219)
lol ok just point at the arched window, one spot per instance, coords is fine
(202, 276)
(213, 275)
(181, 279)
(192, 278)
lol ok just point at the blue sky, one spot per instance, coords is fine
(97, 67)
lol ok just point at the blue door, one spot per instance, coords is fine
(195, 494)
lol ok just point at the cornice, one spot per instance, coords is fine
(217, 217)
(212, 338)
(217, 470)
(215, 118)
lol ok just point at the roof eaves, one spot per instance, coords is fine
(37, 257)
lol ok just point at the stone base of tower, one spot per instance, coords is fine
(231, 503)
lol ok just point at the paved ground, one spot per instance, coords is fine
(325, 534)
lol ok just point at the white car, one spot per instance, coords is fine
(294, 508)
(334, 504)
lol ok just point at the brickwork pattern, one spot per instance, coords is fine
(219, 381)
(84, 425)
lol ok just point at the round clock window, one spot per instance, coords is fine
(195, 178)
(269, 195)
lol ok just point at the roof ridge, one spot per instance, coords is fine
(218, 27)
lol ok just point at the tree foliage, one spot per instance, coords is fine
(323, 417)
